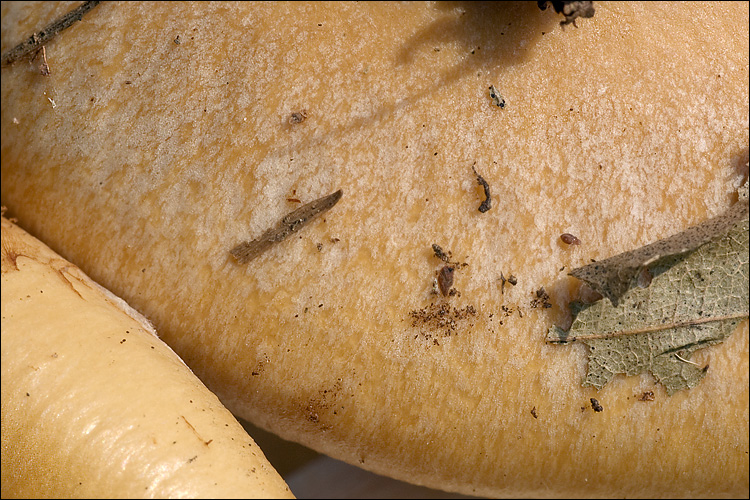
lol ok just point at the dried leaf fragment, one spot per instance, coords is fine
(497, 99)
(614, 276)
(694, 294)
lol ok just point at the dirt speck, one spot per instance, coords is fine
(440, 320)
(647, 396)
(298, 117)
(596, 405)
(541, 299)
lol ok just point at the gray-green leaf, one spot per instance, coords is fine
(696, 298)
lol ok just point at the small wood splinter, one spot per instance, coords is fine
(290, 223)
(487, 203)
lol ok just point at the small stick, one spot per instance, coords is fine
(290, 223)
(42, 37)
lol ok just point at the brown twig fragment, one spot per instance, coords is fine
(487, 203)
(290, 223)
(42, 37)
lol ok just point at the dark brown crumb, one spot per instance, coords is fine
(533, 412)
(647, 396)
(298, 117)
(541, 299)
(596, 406)
(445, 279)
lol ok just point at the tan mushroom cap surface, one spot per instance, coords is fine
(145, 161)
(96, 406)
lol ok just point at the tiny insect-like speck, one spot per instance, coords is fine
(570, 239)
(439, 253)
(497, 99)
